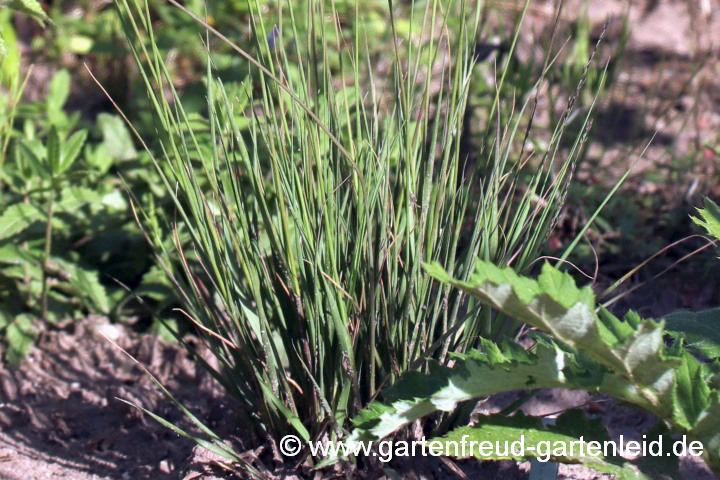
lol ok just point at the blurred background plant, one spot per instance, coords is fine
(68, 241)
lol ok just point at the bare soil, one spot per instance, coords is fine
(60, 416)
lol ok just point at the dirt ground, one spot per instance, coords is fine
(61, 417)
(59, 414)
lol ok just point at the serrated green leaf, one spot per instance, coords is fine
(36, 154)
(556, 306)
(18, 217)
(19, 335)
(72, 279)
(475, 375)
(699, 330)
(691, 393)
(709, 218)
(13, 254)
(71, 149)
(88, 286)
(561, 287)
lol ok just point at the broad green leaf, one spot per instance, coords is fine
(72, 279)
(116, 137)
(491, 370)
(700, 330)
(59, 91)
(155, 285)
(15, 255)
(10, 65)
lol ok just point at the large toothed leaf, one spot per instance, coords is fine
(522, 438)
(707, 431)
(555, 305)
(477, 374)
(624, 358)
(670, 384)
(699, 330)
(691, 394)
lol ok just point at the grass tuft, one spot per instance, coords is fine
(303, 215)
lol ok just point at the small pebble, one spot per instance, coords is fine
(166, 467)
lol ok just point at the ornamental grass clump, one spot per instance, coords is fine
(308, 201)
